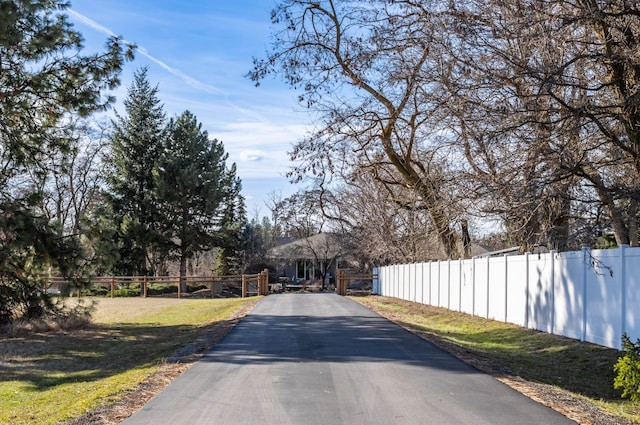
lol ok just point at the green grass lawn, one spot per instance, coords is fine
(583, 369)
(49, 377)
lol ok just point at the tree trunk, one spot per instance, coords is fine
(620, 230)
(466, 239)
(632, 223)
(183, 270)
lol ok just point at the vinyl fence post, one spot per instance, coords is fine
(527, 290)
(585, 294)
(460, 264)
(449, 284)
(430, 282)
(553, 290)
(506, 287)
(623, 294)
(473, 286)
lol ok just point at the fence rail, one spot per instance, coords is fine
(591, 295)
(58, 285)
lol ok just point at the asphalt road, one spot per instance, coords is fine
(323, 359)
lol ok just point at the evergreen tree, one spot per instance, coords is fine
(137, 142)
(195, 190)
(44, 79)
(230, 238)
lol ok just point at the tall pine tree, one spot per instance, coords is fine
(44, 79)
(137, 143)
(230, 240)
(195, 190)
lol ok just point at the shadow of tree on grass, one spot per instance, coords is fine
(46, 360)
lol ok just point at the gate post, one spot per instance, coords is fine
(342, 283)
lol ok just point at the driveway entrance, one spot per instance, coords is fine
(324, 359)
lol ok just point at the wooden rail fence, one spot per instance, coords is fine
(262, 280)
(214, 283)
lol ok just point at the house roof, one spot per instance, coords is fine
(322, 245)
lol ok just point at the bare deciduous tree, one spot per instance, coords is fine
(546, 100)
(76, 180)
(369, 69)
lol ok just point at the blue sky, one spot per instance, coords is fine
(198, 52)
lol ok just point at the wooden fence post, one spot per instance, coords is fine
(113, 286)
(244, 286)
(144, 287)
(265, 288)
(342, 283)
(180, 287)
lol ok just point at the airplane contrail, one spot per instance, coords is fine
(186, 78)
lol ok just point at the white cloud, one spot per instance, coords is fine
(251, 155)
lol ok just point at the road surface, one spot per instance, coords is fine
(306, 359)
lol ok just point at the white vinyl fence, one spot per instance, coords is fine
(591, 295)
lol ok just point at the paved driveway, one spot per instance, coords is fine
(324, 359)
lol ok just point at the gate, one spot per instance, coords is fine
(344, 278)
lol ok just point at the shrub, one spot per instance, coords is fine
(628, 369)
(159, 289)
(133, 291)
(196, 287)
(65, 318)
(96, 291)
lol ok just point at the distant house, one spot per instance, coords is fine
(311, 258)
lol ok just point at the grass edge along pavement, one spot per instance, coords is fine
(104, 373)
(570, 376)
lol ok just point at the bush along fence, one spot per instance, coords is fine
(114, 286)
(591, 295)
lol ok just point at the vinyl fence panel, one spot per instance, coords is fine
(443, 300)
(434, 283)
(497, 296)
(603, 324)
(540, 302)
(590, 294)
(630, 310)
(455, 274)
(481, 286)
(467, 287)
(569, 294)
(419, 283)
(517, 296)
